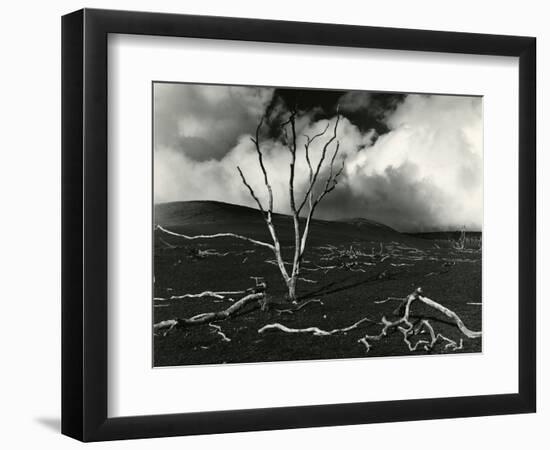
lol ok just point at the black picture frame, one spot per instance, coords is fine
(84, 224)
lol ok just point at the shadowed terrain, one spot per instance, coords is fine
(351, 267)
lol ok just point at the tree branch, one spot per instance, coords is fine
(331, 183)
(251, 191)
(256, 142)
(217, 235)
(309, 141)
(292, 148)
(319, 164)
(219, 295)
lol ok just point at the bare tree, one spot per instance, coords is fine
(315, 192)
(460, 244)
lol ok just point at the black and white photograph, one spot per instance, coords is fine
(307, 224)
(275, 225)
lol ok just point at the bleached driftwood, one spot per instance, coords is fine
(313, 330)
(214, 236)
(218, 295)
(450, 314)
(207, 318)
(406, 327)
(427, 345)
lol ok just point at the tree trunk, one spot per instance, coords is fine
(292, 289)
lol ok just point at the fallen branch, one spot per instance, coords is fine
(306, 280)
(207, 318)
(303, 305)
(451, 315)
(219, 332)
(387, 300)
(217, 235)
(210, 252)
(428, 345)
(404, 325)
(314, 330)
(219, 295)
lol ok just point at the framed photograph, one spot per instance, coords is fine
(274, 225)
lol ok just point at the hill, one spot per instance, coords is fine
(209, 217)
(346, 275)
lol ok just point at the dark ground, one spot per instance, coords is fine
(348, 292)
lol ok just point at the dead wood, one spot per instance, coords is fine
(209, 317)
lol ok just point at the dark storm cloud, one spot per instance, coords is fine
(366, 110)
(369, 110)
(414, 162)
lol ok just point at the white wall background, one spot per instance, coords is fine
(30, 229)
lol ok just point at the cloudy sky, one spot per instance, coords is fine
(414, 162)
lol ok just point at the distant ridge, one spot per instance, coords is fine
(361, 221)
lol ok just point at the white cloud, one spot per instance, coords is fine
(204, 121)
(425, 173)
(436, 146)
(178, 177)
